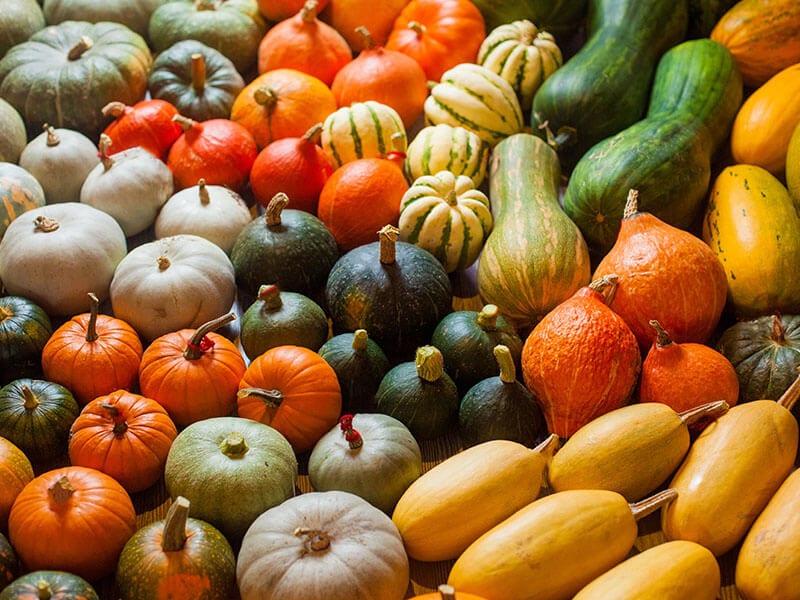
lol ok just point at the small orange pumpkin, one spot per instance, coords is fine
(16, 472)
(147, 123)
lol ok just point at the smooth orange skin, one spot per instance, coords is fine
(16, 472)
(377, 17)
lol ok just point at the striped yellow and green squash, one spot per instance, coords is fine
(477, 99)
(447, 216)
(536, 256)
(445, 147)
(19, 192)
(361, 130)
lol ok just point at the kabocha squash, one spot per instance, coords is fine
(58, 585)
(13, 136)
(331, 545)
(25, 329)
(371, 455)
(9, 563)
(20, 192)
(179, 556)
(73, 519)
(451, 505)
(445, 147)
(16, 471)
(535, 256)
(134, 14)
(18, 22)
(147, 123)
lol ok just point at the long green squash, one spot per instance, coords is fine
(535, 256)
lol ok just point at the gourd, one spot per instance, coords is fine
(13, 136)
(134, 14)
(231, 469)
(535, 256)
(173, 283)
(148, 124)
(20, 192)
(44, 583)
(18, 23)
(371, 455)
(445, 147)
(579, 110)
(89, 243)
(307, 546)
(459, 499)
(16, 471)
(25, 329)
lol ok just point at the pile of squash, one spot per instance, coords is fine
(249, 242)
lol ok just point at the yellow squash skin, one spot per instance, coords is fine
(768, 563)
(793, 164)
(751, 214)
(449, 507)
(677, 570)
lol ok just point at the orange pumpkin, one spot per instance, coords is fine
(347, 15)
(15, 472)
(73, 519)
(147, 123)
(124, 435)
(93, 354)
(282, 103)
(294, 390)
(279, 10)
(193, 374)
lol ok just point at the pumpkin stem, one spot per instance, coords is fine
(202, 191)
(563, 138)
(606, 286)
(173, 536)
(120, 425)
(487, 317)
(447, 592)
(275, 208)
(234, 445)
(61, 490)
(91, 326)
(185, 122)
(29, 399)
(651, 504)
(417, 28)
(43, 590)
(272, 398)
(270, 295)
(360, 339)
(315, 540)
(388, 244)
(631, 204)
(198, 72)
(708, 410)
(53, 139)
(105, 143)
(266, 96)
(84, 44)
(163, 263)
(308, 13)
(366, 37)
(205, 4)
(789, 398)
(199, 344)
(429, 362)
(662, 337)
(508, 372)
(5, 313)
(397, 154)
(114, 109)
(313, 134)
(45, 224)
(778, 332)
(351, 436)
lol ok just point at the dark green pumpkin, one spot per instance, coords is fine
(9, 562)
(36, 416)
(279, 318)
(24, 331)
(18, 21)
(19, 192)
(420, 395)
(134, 14)
(200, 82)
(467, 339)
(501, 408)
(360, 365)
(53, 585)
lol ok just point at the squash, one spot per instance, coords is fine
(750, 211)
(173, 283)
(13, 136)
(42, 583)
(20, 192)
(147, 123)
(792, 171)
(535, 256)
(89, 243)
(319, 537)
(231, 469)
(177, 555)
(445, 147)
(18, 22)
(371, 455)
(24, 331)
(446, 592)
(10, 569)
(16, 471)
(451, 505)
(134, 14)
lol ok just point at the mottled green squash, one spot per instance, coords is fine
(24, 330)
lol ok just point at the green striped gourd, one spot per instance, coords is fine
(477, 99)
(361, 130)
(445, 147)
(447, 216)
(522, 55)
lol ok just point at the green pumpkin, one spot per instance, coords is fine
(58, 585)
(9, 562)
(19, 192)
(134, 14)
(65, 74)
(24, 331)
(200, 82)
(13, 136)
(18, 21)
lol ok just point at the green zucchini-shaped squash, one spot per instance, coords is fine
(536, 256)
(667, 155)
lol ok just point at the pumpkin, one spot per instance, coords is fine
(172, 283)
(66, 73)
(438, 35)
(74, 519)
(93, 354)
(282, 103)
(55, 585)
(279, 10)
(231, 469)
(35, 416)
(448, 216)
(395, 290)
(15, 472)
(60, 160)
(147, 123)
(18, 22)
(213, 212)
(199, 81)
(347, 15)
(24, 331)
(131, 186)
(279, 318)
(9, 563)
(233, 27)
(134, 14)
(306, 44)
(319, 537)
(292, 389)
(445, 147)
(13, 136)
(573, 392)
(89, 243)
(179, 556)
(371, 455)
(20, 191)
(193, 374)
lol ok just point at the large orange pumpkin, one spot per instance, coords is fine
(16, 472)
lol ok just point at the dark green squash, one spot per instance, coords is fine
(19, 192)
(24, 330)
(279, 318)
(36, 416)
(501, 408)
(420, 395)
(198, 80)
(562, 18)
(134, 14)
(360, 364)
(52, 585)
(9, 562)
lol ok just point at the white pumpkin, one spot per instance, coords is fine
(214, 212)
(56, 254)
(177, 282)
(332, 545)
(131, 186)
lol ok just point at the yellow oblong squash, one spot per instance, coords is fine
(447, 508)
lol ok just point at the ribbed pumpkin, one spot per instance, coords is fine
(24, 331)
(360, 130)
(20, 192)
(445, 147)
(16, 471)
(148, 124)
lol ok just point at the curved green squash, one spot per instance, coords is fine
(535, 256)
(24, 330)
(666, 156)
